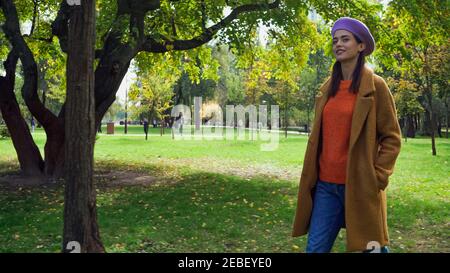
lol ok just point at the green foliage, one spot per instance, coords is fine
(311, 78)
(105, 18)
(4, 50)
(411, 29)
(415, 48)
(291, 37)
(151, 95)
(405, 95)
(4, 132)
(230, 86)
(47, 52)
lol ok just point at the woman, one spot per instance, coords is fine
(351, 152)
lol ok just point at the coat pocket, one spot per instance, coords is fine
(382, 180)
(376, 182)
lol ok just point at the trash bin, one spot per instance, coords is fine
(110, 128)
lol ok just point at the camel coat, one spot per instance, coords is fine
(375, 141)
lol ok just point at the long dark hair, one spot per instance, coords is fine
(336, 75)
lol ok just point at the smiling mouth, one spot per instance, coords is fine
(339, 52)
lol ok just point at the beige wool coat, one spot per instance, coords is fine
(375, 141)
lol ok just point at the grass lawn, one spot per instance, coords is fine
(215, 196)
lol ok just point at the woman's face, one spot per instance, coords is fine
(345, 46)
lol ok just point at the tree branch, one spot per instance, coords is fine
(155, 45)
(33, 25)
(47, 40)
(137, 10)
(137, 6)
(60, 25)
(7, 82)
(35, 11)
(29, 90)
(203, 8)
(174, 27)
(28, 153)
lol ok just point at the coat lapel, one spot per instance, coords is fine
(363, 103)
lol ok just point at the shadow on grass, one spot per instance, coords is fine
(8, 167)
(198, 212)
(418, 225)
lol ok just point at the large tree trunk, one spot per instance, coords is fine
(30, 159)
(52, 124)
(80, 214)
(54, 150)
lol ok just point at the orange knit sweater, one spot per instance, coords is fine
(336, 126)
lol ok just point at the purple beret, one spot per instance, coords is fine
(359, 29)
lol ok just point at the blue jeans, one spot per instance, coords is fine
(327, 218)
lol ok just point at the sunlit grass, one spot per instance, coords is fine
(219, 196)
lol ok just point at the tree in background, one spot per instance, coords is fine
(406, 99)
(151, 96)
(229, 89)
(414, 32)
